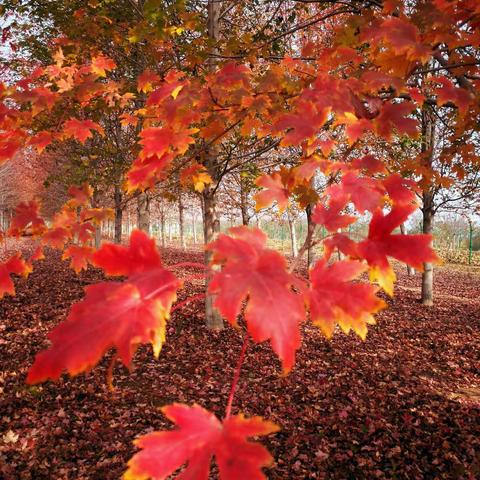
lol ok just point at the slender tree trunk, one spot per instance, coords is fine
(293, 234)
(194, 227)
(410, 270)
(143, 213)
(162, 223)
(181, 221)
(211, 227)
(118, 214)
(243, 202)
(427, 275)
(211, 223)
(310, 228)
(428, 151)
(98, 228)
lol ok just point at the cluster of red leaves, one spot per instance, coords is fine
(403, 403)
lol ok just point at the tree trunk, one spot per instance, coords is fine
(181, 221)
(194, 228)
(410, 270)
(427, 149)
(293, 234)
(211, 223)
(118, 214)
(162, 223)
(211, 227)
(98, 228)
(243, 202)
(143, 213)
(427, 275)
(310, 228)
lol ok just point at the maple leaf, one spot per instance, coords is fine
(157, 141)
(16, 265)
(81, 129)
(79, 256)
(120, 314)
(10, 143)
(365, 193)
(276, 188)
(330, 217)
(83, 231)
(393, 117)
(449, 93)
(57, 237)
(96, 215)
(200, 437)
(356, 127)
(195, 175)
(334, 298)
(41, 140)
(370, 164)
(80, 195)
(128, 119)
(413, 250)
(401, 190)
(146, 171)
(250, 270)
(37, 254)
(302, 126)
(27, 216)
(101, 65)
(146, 80)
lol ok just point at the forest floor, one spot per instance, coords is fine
(404, 404)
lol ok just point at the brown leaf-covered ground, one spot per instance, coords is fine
(404, 404)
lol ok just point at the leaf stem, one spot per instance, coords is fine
(192, 298)
(188, 264)
(236, 376)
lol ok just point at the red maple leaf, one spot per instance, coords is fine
(335, 298)
(413, 250)
(364, 192)
(83, 231)
(41, 140)
(250, 270)
(401, 190)
(200, 437)
(57, 237)
(119, 314)
(302, 126)
(146, 80)
(10, 143)
(393, 117)
(27, 215)
(330, 217)
(15, 265)
(275, 188)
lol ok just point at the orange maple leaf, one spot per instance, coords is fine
(79, 256)
(101, 65)
(81, 129)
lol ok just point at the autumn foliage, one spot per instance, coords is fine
(358, 87)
